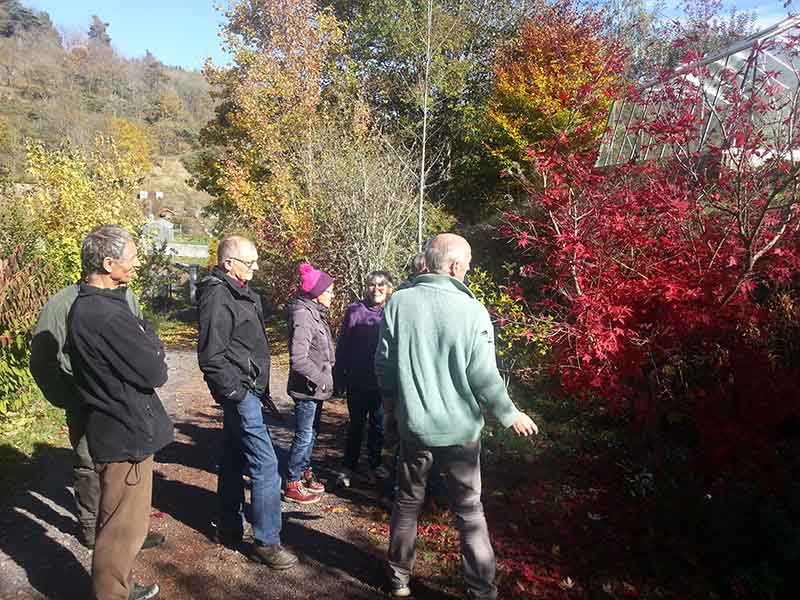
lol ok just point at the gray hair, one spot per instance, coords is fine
(108, 241)
(378, 276)
(441, 253)
(229, 247)
(418, 264)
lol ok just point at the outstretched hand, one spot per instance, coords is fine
(524, 426)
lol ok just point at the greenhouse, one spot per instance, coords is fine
(764, 65)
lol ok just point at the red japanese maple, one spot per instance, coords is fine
(662, 273)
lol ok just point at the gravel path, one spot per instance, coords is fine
(341, 540)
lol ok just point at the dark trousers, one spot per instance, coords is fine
(461, 468)
(126, 491)
(435, 488)
(85, 479)
(365, 407)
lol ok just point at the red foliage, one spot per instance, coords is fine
(660, 272)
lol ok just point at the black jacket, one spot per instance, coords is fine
(311, 355)
(117, 361)
(233, 350)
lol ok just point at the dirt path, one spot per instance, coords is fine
(341, 540)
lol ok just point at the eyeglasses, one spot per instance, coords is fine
(249, 264)
(124, 259)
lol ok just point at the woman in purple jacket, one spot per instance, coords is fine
(355, 374)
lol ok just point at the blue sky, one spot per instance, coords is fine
(184, 32)
(768, 12)
(178, 32)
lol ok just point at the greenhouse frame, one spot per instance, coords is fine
(772, 54)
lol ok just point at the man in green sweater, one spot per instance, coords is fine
(437, 372)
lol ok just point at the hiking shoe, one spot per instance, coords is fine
(400, 590)
(153, 539)
(380, 473)
(311, 483)
(274, 556)
(296, 492)
(344, 478)
(144, 592)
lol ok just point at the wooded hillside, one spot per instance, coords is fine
(67, 86)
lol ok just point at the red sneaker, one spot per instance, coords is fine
(296, 492)
(311, 483)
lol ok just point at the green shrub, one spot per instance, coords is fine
(156, 275)
(522, 338)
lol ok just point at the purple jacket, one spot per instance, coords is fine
(355, 348)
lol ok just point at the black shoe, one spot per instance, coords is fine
(229, 537)
(153, 539)
(275, 556)
(144, 592)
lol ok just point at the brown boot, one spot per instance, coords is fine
(275, 556)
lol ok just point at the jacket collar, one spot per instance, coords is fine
(440, 281)
(233, 285)
(117, 293)
(316, 309)
(373, 307)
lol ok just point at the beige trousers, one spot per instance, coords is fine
(126, 491)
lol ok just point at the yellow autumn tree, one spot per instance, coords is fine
(554, 82)
(299, 165)
(281, 50)
(132, 144)
(73, 192)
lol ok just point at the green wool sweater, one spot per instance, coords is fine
(436, 362)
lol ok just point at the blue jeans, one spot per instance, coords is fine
(363, 406)
(247, 449)
(307, 414)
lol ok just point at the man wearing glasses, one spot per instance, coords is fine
(233, 352)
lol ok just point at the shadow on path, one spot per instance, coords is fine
(357, 558)
(28, 527)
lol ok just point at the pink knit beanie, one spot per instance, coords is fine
(312, 281)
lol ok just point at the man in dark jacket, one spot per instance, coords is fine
(52, 370)
(117, 361)
(233, 352)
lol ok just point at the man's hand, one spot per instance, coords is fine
(268, 403)
(524, 426)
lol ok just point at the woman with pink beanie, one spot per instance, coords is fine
(311, 360)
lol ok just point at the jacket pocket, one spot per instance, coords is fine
(326, 384)
(254, 372)
(301, 384)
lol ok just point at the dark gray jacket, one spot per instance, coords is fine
(311, 355)
(232, 348)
